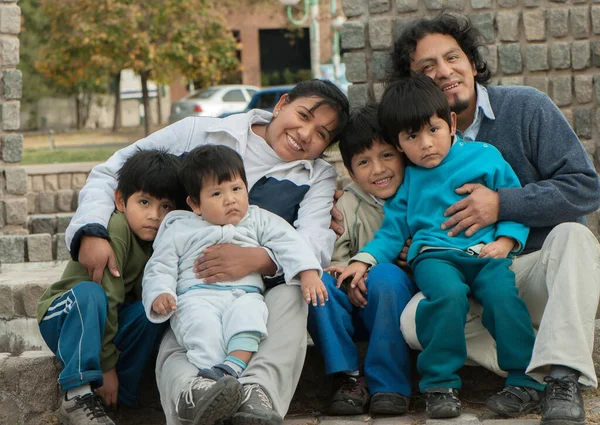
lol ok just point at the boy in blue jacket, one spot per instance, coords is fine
(448, 269)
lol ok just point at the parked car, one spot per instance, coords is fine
(263, 99)
(212, 101)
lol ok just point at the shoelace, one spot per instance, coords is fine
(197, 384)
(92, 404)
(349, 383)
(263, 397)
(563, 388)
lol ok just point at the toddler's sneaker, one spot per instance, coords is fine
(442, 402)
(87, 409)
(514, 401)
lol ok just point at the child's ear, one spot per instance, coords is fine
(195, 207)
(453, 121)
(351, 174)
(399, 148)
(283, 100)
(119, 201)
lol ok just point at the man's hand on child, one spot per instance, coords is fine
(227, 262)
(312, 288)
(336, 215)
(95, 254)
(500, 248)
(110, 387)
(479, 209)
(164, 304)
(401, 260)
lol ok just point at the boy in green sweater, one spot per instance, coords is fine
(100, 333)
(377, 169)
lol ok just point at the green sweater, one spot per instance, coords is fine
(131, 255)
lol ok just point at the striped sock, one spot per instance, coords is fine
(236, 364)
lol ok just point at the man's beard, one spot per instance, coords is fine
(459, 106)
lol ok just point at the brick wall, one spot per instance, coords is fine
(551, 45)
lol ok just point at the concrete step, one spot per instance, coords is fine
(49, 223)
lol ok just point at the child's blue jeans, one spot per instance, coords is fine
(73, 328)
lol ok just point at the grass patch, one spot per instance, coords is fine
(56, 156)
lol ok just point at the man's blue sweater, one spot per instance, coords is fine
(559, 182)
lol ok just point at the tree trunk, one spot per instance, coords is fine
(159, 104)
(145, 101)
(117, 116)
(77, 112)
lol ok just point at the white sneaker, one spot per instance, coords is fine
(87, 409)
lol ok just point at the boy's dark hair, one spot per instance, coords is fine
(459, 27)
(409, 103)
(217, 162)
(362, 129)
(332, 96)
(153, 171)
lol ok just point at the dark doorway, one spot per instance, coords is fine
(284, 55)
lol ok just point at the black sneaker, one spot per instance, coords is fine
(388, 404)
(87, 409)
(442, 402)
(514, 401)
(209, 399)
(562, 403)
(256, 408)
(350, 396)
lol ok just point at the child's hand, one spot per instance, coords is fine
(110, 387)
(164, 304)
(312, 288)
(500, 248)
(355, 270)
(357, 295)
(334, 271)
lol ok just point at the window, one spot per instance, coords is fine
(251, 92)
(234, 96)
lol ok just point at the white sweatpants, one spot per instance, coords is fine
(206, 319)
(560, 284)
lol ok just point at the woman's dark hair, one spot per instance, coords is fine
(331, 96)
(408, 104)
(459, 27)
(207, 162)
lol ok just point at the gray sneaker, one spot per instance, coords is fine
(257, 408)
(83, 410)
(207, 401)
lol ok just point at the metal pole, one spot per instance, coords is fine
(315, 42)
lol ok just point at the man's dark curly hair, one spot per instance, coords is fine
(459, 27)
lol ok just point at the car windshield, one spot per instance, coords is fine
(203, 94)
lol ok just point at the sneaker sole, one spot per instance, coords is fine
(341, 408)
(248, 419)
(499, 410)
(226, 398)
(442, 413)
(561, 422)
(64, 419)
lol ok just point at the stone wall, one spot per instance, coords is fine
(551, 45)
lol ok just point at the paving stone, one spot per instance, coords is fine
(508, 25)
(352, 7)
(13, 85)
(79, 180)
(356, 66)
(595, 10)
(508, 3)
(380, 63)
(75, 200)
(27, 296)
(378, 89)
(64, 200)
(463, 419)
(410, 419)
(580, 54)
(380, 33)
(15, 180)
(513, 81)
(537, 57)
(597, 88)
(9, 111)
(10, 19)
(568, 114)
(32, 199)
(346, 420)
(534, 22)
(584, 91)
(481, 4)
(400, 24)
(7, 305)
(509, 56)
(491, 58)
(558, 22)
(12, 249)
(532, 3)
(540, 83)
(580, 26)
(37, 183)
(61, 253)
(407, 5)
(484, 22)
(358, 95)
(15, 211)
(39, 248)
(519, 421)
(62, 222)
(12, 147)
(562, 89)
(352, 35)
(9, 56)
(583, 122)
(47, 201)
(306, 420)
(64, 179)
(595, 47)
(51, 183)
(379, 6)
(560, 55)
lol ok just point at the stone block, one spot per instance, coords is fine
(581, 55)
(64, 180)
(16, 180)
(39, 248)
(12, 147)
(379, 6)
(380, 63)
(532, 3)
(75, 200)
(508, 3)
(584, 91)
(10, 19)
(595, 47)
(558, 22)
(42, 224)
(562, 89)
(352, 7)
(509, 56)
(492, 58)
(534, 22)
(61, 253)
(9, 111)
(356, 66)
(64, 200)
(13, 84)
(540, 83)
(583, 122)
(595, 12)
(352, 35)
(47, 202)
(51, 183)
(399, 25)
(560, 55)
(580, 22)
(12, 249)
(597, 89)
(62, 222)
(537, 57)
(7, 305)
(481, 4)
(380, 33)
(434, 4)
(484, 22)
(407, 5)
(32, 198)
(16, 211)
(378, 89)
(9, 52)
(568, 114)
(358, 95)
(513, 81)
(508, 26)
(78, 180)
(37, 183)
